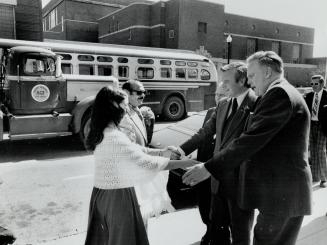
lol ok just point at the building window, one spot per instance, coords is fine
(251, 46)
(86, 69)
(298, 34)
(145, 73)
(253, 27)
(117, 26)
(165, 72)
(296, 53)
(130, 34)
(277, 31)
(53, 18)
(202, 27)
(104, 70)
(275, 46)
(226, 23)
(171, 34)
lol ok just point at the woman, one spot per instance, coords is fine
(114, 217)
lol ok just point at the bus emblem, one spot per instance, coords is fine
(40, 93)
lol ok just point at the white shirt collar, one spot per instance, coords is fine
(241, 97)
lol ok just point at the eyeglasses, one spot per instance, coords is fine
(139, 92)
(314, 84)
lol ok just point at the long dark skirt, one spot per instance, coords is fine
(115, 218)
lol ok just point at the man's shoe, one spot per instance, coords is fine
(6, 236)
(323, 184)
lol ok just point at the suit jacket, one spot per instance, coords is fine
(134, 128)
(215, 126)
(322, 111)
(274, 175)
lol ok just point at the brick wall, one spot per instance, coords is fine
(7, 24)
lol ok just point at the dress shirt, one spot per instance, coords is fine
(315, 117)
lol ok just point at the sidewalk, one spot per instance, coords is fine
(184, 227)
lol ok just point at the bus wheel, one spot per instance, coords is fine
(85, 126)
(174, 108)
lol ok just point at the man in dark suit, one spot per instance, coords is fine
(272, 154)
(227, 123)
(317, 103)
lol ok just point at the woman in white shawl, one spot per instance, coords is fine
(114, 215)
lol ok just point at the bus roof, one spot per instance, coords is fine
(24, 49)
(107, 49)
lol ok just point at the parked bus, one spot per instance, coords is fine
(38, 101)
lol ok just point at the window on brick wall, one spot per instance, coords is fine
(296, 53)
(202, 27)
(275, 46)
(130, 34)
(171, 34)
(53, 18)
(251, 46)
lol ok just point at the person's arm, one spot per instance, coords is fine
(271, 115)
(184, 163)
(208, 130)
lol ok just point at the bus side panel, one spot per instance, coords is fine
(79, 111)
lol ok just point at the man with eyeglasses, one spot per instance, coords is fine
(317, 103)
(272, 155)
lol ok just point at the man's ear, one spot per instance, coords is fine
(268, 72)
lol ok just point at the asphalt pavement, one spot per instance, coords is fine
(184, 227)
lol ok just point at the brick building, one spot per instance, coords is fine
(77, 20)
(21, 19)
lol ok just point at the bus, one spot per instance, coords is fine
(177, 81)
(47, 88)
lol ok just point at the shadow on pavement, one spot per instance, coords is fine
(42, 149)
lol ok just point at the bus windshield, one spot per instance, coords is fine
(36, 65)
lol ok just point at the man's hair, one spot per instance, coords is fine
(240, 72)
(269, 59)
(320, 77)
(129, 85)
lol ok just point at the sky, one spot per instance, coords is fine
(309, 13)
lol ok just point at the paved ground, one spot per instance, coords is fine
(185, 228)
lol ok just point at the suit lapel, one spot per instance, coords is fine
(222, 111)
(238, 119)
(138, 124)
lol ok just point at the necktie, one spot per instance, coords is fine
(234, 108)
(315, 105)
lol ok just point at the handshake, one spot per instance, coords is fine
(196, 171)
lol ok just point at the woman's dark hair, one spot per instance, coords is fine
(105, 110)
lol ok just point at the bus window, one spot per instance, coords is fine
(180, 73)
(180, 63)
(145, 61)
(123, 71)
(85, 58)
(66, 68)
(205, 75)
(104, 70)
(86, 69)
(122, 60)
(145, 73)
(104, 59)
(33, 65)
(165, 62)
(165, 72)
(66, 56)
(192, 73)
(192, 64)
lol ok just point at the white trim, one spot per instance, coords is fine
(99, 3)
(124, 7)
(265, 38)
(82, 21)
(133, 27)
(195, 101)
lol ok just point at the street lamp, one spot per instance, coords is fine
(229, 47)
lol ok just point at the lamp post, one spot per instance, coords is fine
(229, 47)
